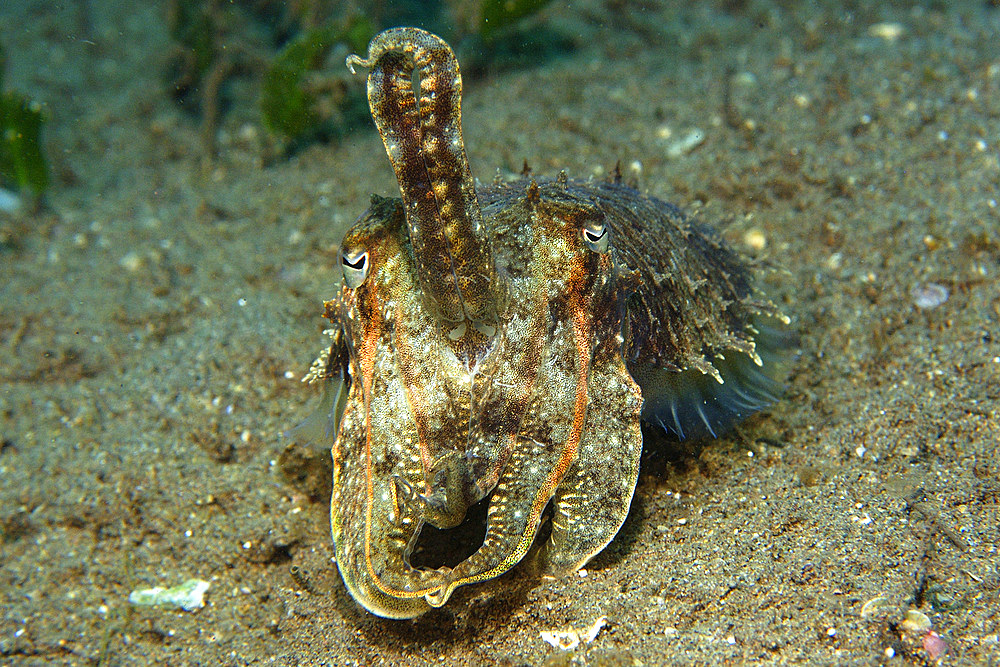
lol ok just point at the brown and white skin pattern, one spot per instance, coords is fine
(493, 343)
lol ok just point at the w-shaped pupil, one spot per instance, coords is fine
(358, 263)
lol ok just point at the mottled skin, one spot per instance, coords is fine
(485, 344)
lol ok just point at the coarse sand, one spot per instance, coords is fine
(159, 309)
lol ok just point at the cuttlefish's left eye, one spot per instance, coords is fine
(596, 234)
(356, 267)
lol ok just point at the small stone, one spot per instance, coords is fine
(888, 31)
(9, 201)
(131, 262)
(928, 296)
(755, 239)
(934, 645)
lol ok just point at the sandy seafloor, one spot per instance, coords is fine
(158, 313)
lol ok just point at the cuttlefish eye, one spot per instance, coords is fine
(596, 235)
(356, 267)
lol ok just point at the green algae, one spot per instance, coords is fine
(22, 160)
(495, 15)
(289, 105)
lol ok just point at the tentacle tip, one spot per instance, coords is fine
(355, 60)
(438, 597)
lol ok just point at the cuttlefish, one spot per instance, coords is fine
(503, 343)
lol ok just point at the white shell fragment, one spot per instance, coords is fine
(686, 143)
(569, 637)
(875, 607)
(188, 596)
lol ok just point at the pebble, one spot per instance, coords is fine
(9, 201)
(131, 262)
(935, 646)
(755, 239)
(929, 295)
(888, 31)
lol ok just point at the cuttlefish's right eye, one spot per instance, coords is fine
(356, 267)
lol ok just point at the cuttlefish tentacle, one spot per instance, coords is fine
(580, 317)
(372, 542)
(424, 142)
(592, 501)
(537, 464)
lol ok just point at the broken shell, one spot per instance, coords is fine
(915, 622)
(873, 607)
